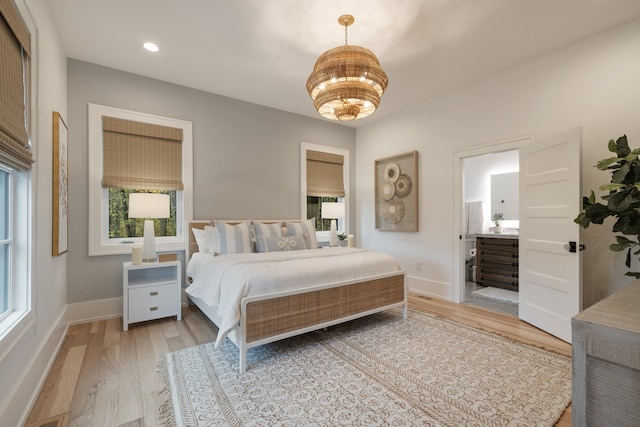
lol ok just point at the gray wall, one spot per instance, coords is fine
(246, 160)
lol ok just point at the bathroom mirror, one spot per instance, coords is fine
(504, 195)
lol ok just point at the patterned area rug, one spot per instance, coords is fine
(378, 370)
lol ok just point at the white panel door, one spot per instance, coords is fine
(550, 275)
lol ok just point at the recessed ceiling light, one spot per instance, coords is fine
(151, 47)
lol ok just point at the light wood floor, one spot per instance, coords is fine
(105, 377)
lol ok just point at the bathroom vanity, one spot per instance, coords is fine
(497, 261)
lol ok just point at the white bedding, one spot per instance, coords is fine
(223, 281)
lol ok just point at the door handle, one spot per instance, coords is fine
(573, 247)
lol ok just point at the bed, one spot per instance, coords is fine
(258, 298)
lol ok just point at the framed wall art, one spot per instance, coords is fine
(60, 185)
(396, 192)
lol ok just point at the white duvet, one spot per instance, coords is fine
(223, 281)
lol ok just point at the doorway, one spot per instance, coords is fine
(491, 226)
(473, 171)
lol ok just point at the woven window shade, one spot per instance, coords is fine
(324, 174)
(141, 156)
(15, 77)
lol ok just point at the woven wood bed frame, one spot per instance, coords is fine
(279, 315)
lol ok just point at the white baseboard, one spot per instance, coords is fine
(91, 311)
(430, 288)
(35, 375)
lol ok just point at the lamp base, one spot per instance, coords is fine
(149, 242)
(334, 234)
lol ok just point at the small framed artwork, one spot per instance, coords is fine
(396, 188)
(60, 185)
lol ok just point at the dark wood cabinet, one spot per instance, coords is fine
(497, 262)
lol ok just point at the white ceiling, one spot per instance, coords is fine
(262, 51)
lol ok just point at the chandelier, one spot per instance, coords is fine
(347, 81)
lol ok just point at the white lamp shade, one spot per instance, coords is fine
(332, 210)
(148, 205)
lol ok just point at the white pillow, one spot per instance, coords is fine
(305, 228)
(202, 239)
(207, 239)
(233, 239)
(277, 244)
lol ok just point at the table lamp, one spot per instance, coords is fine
(333, 211)
(148, 206)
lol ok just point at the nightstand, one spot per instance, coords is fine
(150, 291)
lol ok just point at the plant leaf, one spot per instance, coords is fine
(620, 175)
(628, 261)
(623, 243)
(633, 155)
(612, 145)
(597, 213)
(633, 274)
(623, 240)
(605, 163)
(622, 146)
(628, 224)
(615, 247)
(582, 220)
(619, 202)
(611, 187)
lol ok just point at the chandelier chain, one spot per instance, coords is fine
(345, 34)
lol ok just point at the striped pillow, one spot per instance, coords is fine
(233, 239)
(305, 228)
(261, 229)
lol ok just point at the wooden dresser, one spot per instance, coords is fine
(606, 361)
(497, 262)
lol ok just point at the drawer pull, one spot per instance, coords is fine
(153, 308)
(154, 293)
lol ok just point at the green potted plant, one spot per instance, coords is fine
(342, 237)
(621, 202)
(497, 219)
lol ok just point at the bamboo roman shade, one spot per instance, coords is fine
(324, 174)
(15, 76)
(141, 156)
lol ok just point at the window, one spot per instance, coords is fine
(312, 195)
(121, 226)
(314, 210)
(110, 229)
(15, 171)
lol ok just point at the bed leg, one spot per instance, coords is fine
(243, 361)
(405, 311)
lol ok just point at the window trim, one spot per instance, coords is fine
(99, 242)
(9, 242)
(343, 225)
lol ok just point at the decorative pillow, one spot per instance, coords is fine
(261, 229)
(277, 244)
(212, 234)
(233, 239)
(202, 239)
(305, 228)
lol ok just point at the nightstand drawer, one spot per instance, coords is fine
(153, 302)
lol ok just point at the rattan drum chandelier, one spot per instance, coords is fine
(347, 81)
